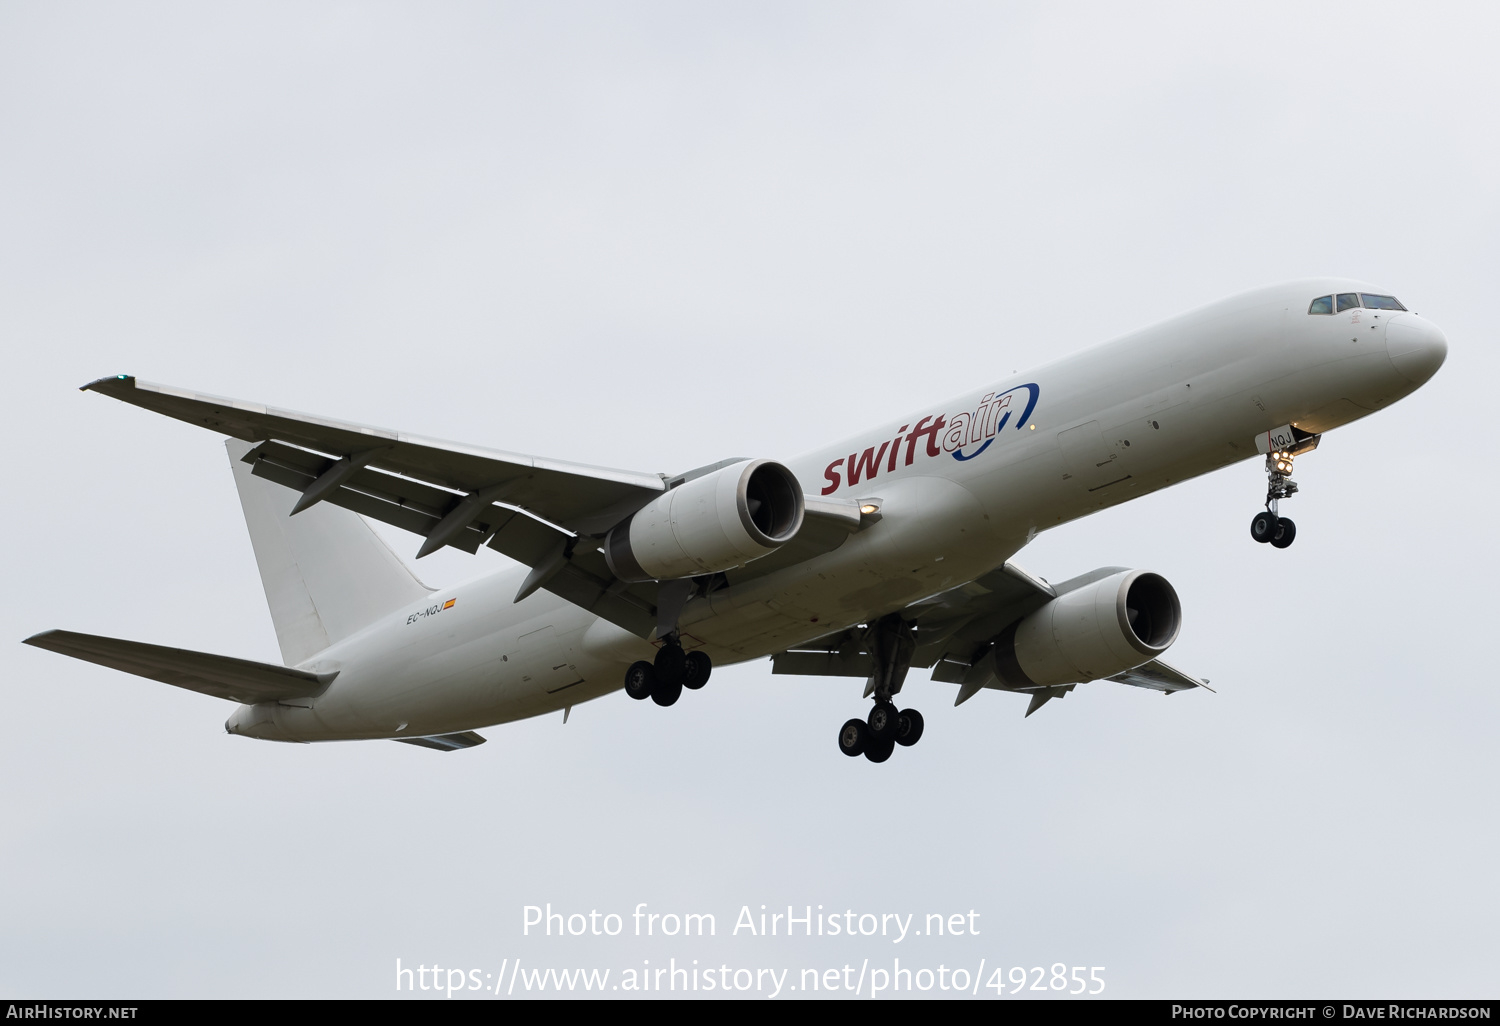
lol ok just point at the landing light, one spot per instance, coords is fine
(869, 508)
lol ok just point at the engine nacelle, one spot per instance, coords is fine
(1092, 632)
(711, 523)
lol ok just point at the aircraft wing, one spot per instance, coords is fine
(580, 498)
(953, 631)
(952, 627)
(545, 514)
(239, 680)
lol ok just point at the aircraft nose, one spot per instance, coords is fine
(1416, 348)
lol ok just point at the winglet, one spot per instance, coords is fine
(113, 382)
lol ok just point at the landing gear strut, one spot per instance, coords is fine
(890, 643)
(673, 670)
(1269, 525)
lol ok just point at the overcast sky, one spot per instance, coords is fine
(655, 235)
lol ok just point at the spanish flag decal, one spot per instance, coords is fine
(449, 603)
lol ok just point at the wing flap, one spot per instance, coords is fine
(822, 664)
(238, 680)
(956, 623)
(624, 605)
(584, 578)
(402, 503)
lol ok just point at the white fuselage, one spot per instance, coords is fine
(983, 475)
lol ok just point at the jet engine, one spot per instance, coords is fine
(711, 523)
(1098, 630)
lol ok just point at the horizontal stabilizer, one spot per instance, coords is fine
(444, 742)
(238, 680)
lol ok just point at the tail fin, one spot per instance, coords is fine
(326, 573)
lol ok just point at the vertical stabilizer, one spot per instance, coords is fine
(326, 573)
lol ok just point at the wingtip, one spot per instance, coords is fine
(101, 384)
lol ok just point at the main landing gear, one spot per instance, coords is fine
(877, 736)
(674, 669)
(890, 643)
(1268, 525)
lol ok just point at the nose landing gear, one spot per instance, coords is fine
(890, 643)
(1269, 525)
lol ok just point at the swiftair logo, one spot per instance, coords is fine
(967, 429)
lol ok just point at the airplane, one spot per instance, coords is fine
(884, 552)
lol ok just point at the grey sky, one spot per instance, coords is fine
(652, 236)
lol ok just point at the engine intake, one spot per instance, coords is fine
(1101, 629)
(711, 523)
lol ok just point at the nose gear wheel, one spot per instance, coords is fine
(1268, 525)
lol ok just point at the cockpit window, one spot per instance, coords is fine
(1353, 301)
